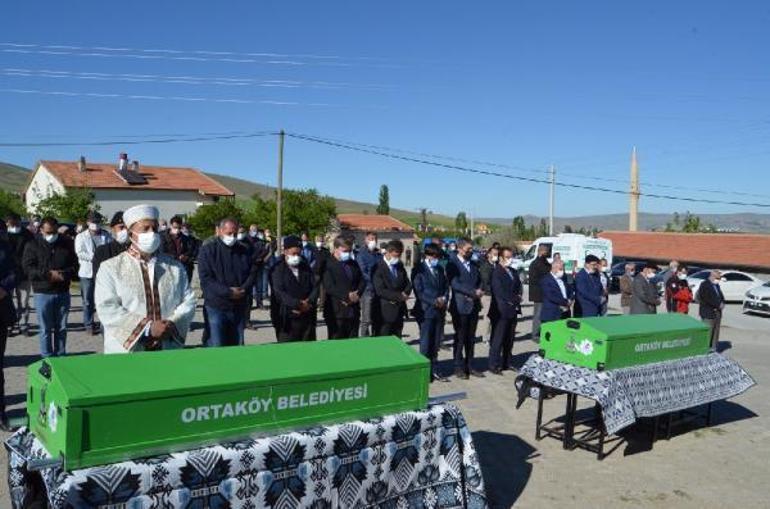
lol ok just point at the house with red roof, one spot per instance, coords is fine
(118, 186)
(386, 227)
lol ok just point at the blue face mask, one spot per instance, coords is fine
(433, 263)
(344, 256)
(475, 257)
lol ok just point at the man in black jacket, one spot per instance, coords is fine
(50, 263)
(344, 284)
(391, 290)
(506, 305)
(712, 302)
(296, 293)
(8, 273)
(113, 248)
(178, 246)
(539, 268)
(18, 238)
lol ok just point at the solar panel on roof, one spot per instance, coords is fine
(131, 177)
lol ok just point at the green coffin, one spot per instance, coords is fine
(611, 342)
(97, 409)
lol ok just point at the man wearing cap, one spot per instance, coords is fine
(86, 243)
(143, 297)
(588, 289)
(227, 271)
(119, 242)
(296, 291)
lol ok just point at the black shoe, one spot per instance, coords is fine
(462, 375)
(496, 371)
(438, 378)
(477, 374)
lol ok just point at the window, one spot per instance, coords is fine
(704, 274)
(736, 276)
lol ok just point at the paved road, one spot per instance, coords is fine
(722, 466)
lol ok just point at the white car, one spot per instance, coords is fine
(734, 284)
(758, 300)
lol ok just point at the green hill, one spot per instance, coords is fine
(13, 178)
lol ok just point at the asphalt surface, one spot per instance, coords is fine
(723, 466)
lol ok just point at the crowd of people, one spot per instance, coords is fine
(135, 280)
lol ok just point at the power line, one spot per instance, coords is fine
(139, 142)
(515, 177)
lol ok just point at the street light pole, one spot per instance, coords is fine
(551, 199)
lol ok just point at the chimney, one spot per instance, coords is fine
(135, 166)
(82, 164)
(123, 162)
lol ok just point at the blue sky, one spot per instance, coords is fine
(576, 84)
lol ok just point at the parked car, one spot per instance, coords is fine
(734, 283)
(758, 300)
(619, 269)
(660, 277)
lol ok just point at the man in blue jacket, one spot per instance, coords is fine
(431, 290)
(226, 271)
(556, 294)
(465, 280)
(505, 307)
(368, 258)
(588, 288)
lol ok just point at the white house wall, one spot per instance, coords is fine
(43, 185)
(169, 203)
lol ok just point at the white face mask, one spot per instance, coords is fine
(229, 240)
(319, 244)
(174, 231)
(122, 236)
(293, 260)
(371, 244)
(148, 242)
(78, 228)
(51, 237)
(93, 227)
(241, 236)
(394, 261)
(344, 256)
(650, 275)
(14, 229)
(682, 277)
(252, 233)
(493, 259)
(559, 274)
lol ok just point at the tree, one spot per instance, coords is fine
(461, 222)
(71, 207)
(304, 210)
(542, 229)
(10, 202)
(567, 228)
(207, 216)
(384, 206)
(424, 219)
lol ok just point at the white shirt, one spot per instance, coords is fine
(85, 247)
(561, 285)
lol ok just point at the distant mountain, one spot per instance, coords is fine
(14, 178)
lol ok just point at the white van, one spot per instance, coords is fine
(573, 248)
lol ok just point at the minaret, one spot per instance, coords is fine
(633, 209)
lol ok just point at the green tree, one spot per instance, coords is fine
(10, 202)
(72, 207)
(206, 217)
(542, 229)
(461, 222)
(384, 205)
(304, 210)
(567, 228)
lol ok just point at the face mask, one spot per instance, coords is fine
(371, 244)
(14, 229)
(185, 232)
(433, 262)
(163, 227)
(394, 261)
(148, 242)
(174, 230)
(344, 256)
(241, 236)
(493, 259)
(559, 274)
(36, 224)
(319, 244)
(252, 233)
(650, 275)
(229, 240)
(122, 236)
(474, 257)
(682, 277)
(78, 228)
(260, 236)
(51, 237)
(293, 260)
(93, 227)
(452, 247)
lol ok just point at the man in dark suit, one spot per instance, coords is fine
(539, 268)
(588, 289)
(178, 246)
(506, 303)
(118, 244)
(391, 290)
(556, 294)
(296, 292)
(644, 294)
(344, 284)
(712, 302)
(8, 272)
(431, 290)
(465, 280)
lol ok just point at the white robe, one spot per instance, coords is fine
(122, 304)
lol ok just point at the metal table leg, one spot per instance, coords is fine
(539, 421)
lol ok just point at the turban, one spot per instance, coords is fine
(139, 212)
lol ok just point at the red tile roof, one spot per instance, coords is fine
(373, 222)
(708, 249)
(103, 176)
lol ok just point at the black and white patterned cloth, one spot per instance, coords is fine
(626, 394)
(413, 459)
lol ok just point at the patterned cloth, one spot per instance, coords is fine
(414, 459)
(627, 394)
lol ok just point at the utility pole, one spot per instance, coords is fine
(279, 193)
(473, 229)
(551, 198)
(633, 208)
